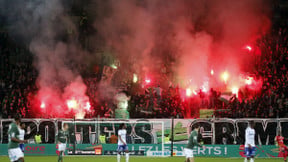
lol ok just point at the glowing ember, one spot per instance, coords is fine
(212, 72)
(249, 48)
(188, 92)
(205, 87)
(147, 81)
(113, 66)
(225, 76)
(72, 104)
(42, 105)
(248, 80)
(135, 78)
(205, 90)
(80, 115)
(88, 106)
(235, 90)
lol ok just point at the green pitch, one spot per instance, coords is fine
(132, 159)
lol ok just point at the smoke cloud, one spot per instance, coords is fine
(191, 37)
(50, 34)
(183, 39)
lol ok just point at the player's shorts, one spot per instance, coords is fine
(15, 153)
(122, 148)
(250, 152)
(61, 146)
(22, 147)
(188, 153)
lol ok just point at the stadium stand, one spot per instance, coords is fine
(18, 84)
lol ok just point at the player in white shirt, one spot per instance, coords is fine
(21, 135)
(250, 148)
(122, 145)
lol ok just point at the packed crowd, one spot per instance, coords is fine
(17, 79)
(17, 85)
(272, 67)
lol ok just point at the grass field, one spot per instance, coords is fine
(132, 159)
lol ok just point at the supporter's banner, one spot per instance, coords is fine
(146, 149)
(218, 131)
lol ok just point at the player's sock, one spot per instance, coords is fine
(127, 157)
(60, 156)
(118, 157)
(252, 160)
(245, 159)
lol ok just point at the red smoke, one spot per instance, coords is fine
(196, 35)
(73, 102)
(178, 41)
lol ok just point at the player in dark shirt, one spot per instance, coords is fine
(61, 140)
(192, 142)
